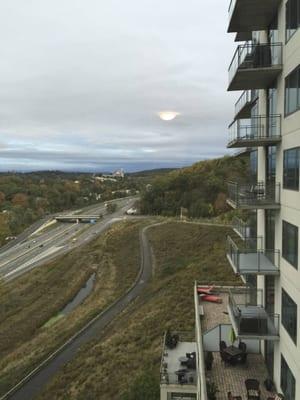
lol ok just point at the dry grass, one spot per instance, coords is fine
(33, 299)
(106, 368)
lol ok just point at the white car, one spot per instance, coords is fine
(131, 211)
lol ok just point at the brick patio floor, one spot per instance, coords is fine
(232, 378)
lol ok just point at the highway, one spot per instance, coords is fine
(30, 386)
(35, 249)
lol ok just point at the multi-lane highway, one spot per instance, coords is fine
(37, 248)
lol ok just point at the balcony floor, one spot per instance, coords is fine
(254, 78)
(171, 357)
(249, 263)
(232, 378)
(254, 142)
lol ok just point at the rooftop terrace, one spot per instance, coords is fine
(216, 326)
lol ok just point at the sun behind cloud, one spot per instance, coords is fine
(168, 115)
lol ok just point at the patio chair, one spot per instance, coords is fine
(252, 387)
(222, 345)
(243, 357)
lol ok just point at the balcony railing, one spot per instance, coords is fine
(249, 257)
(257, 131)
(250, 319)
(244, 104)
(259, 195)
(241, 228)
(253, 15)
(255, 66)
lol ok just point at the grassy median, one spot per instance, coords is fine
(31, 301)
(130, 350)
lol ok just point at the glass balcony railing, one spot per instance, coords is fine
(255, 66)
(252, 196)
(244, 104)
(249, 257)
(249, 317)
(257, 131)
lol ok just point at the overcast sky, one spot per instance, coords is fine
(82, 81)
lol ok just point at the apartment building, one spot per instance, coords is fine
(264, 248)
(266, 67)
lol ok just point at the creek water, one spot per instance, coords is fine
(80, 296)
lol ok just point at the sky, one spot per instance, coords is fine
(82, 83)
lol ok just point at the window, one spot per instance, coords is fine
(287, 381)
(253, 165)
(290, 243)
(291, 169)
(289, 315)
(292, 17)
(292, 91)
(182, 396)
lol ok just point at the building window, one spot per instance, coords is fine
(291, 169)
(290, 243)
(292, 91)
(287, 381)
(182, 396)
(292, 17)
(289, 315)
(253, 165)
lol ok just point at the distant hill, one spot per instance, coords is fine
(201, 189)
(156, 171)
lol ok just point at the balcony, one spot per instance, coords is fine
(249, 257)
(176, 371)
(244, 104)
(259, 195)
(214, 326)
(248, 316)
(254, 132)
(251, 15)
(255, 66)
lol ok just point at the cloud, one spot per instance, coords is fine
(82, 82)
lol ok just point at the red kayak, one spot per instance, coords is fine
(211, 298)
(205, 290)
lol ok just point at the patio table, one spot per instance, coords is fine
(233, 351)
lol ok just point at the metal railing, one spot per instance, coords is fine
(258, 128)
(241, 227)
(254, 195)
(247, 97)
(250, 316)
(250, 257)
(253, 55)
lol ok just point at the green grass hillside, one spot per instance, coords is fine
(201, 188)
(123, 364)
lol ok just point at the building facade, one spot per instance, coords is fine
(266, 67)
(263, 250)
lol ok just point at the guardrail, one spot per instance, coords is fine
(254, 195)
(250, 316)
(246, 98)
(259, 128)
(250, 257)
(254, 56)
